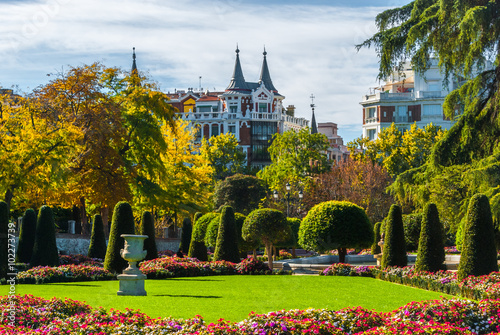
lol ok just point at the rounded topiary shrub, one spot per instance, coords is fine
(121, 223)
(336, 225)
(212, 230)
(243, 193)
(187, 230)
(197, 249)
(479, 256)
(201, 226)
(26, 237)
(97, 247)
(394, 252)
(430, 255)
(148, 229)
(226, 248)
(45, 248)
(376, 239)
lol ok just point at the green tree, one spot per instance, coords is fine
(243, 245)
(412, 226)
(479, 255)
(26, 237)
(187, 229)
(227, 240)
(197, 249)
(97, 247)
(394, 253)
(122, 223)
(336, 225)
(377, 236)
(45, 247)
(4, 228)
(268, 226)
(243, 193)
(148, 229)
(212, 231)
(430, 255)
(224, 154)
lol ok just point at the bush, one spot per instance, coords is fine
(479, 256)
(394, 253)
(97, 247)
(243, 193)
(243, 246)
(45, 247)
(187, 229)
(26, 237)
(197, 250)
(122, 223)
(251, 266)
(212, 230)
(291, 242)
(201, 226)
(148, 229)
(411, 225)
(375, 250)
(227, 240)
(4, 244)
(335, 225)
(430, 255)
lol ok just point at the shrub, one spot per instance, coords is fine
(201, 226)
(243, 246)
(252, 266)
(227, 240)
(197, 249)
(4, 227)
(122, 223)
(375, 250)
(291, 242)
(243, 193)
(97, 247)
(26, 237)
(187, 229)
(212, 230)
(479, 256)
(430, 255)
(335, 225)
(411, 225)
(148, 229)
(45, 247)
(394, 253)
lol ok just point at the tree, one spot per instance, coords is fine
(97, 247)
(430, 255)
(4, 242)
(243, 245)
(187, 229)
(243, 193)
(26, 237)
(197, 249)
(266, 225)
(479, 255)
(377, 236)
(335, 225)
(412, 227)
(45, 248)
(224, 154)
(122, 223)
(148, 229)
(394, 253)
(227, 240)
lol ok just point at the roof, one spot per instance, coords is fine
(237, 82)
(265, 76)
(208, 98)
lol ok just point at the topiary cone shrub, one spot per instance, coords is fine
(226, 248)
(187, 229)
(148, 228)
(212, 230)
(197, 249)
(394, 252)
(430, 255)
(26, 237)
(376, 234)
(97, 247)
(4, 227)
(122, 223)
(45, 248)
(479, 256)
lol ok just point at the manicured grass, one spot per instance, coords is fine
(234, 297)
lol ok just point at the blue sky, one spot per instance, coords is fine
(310, 45)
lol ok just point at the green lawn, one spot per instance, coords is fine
(233, 297)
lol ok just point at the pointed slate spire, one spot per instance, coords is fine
(238, 82)
(134, 65)
(265, 77)
(314, 128)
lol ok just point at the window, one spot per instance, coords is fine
(432, 110)
(371, 112)
(232, 129)
(215, 129)
(262, 108)
(371, 133)
(233, 109)
(433, 86)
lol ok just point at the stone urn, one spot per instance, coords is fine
(132, 279)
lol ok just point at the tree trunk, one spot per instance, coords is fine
(105, 219)
(342, 253)
(269, 251)
(254, 253)
(275, 254)
(83, 214)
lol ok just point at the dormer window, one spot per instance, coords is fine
(262, 108)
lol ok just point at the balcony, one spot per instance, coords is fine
(386, 96)
(371, 120)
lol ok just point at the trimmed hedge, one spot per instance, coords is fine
(45, 248)
(197, 249)
(26, 237)
(394, 253)
(122, 223)
(479, 255)
(212, 230)
(148, 228)
(97, 247)
(430, 255)
(375, 250)
(226, 248)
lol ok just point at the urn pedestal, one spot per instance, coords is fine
(132, 279)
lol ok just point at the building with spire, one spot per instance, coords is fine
(252, 111)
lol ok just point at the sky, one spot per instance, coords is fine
(310, 46)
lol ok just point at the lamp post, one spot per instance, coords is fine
(288, 198)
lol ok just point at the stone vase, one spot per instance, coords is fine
(132, 279)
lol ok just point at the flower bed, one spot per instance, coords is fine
(56, 316)
(80, 260)
(63, 273)
(341, 269)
